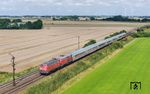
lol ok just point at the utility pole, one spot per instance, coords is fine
(78, 42)
(13, 65)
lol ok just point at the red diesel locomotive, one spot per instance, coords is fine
(55, 63)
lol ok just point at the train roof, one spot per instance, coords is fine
(114, 37)
(63, 56)
(83, 49)
(51, 62)
(96, 44)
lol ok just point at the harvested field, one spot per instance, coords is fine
(90, 24)
(33, 47)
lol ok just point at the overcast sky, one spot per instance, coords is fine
(75, 7)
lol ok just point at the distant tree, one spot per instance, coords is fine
(123, 31)
(28, 25)
(71, 18)
(145, 20)
(119, 18)
(140, 30)
(14, 24)
(75, 18)
(90, 43)
(64, 18)
(33, 25)
(126, 19)
(37, 24)
(53, 18)
(22, 26)
(16, 20)
(92, 18)
(4, 23)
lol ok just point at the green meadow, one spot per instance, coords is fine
(132, 64)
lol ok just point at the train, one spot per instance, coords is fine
(62, 60)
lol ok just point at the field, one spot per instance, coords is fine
(90, 24)
(33, 47)
(114, 76)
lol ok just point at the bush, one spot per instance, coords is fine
(90, 43)
(116, 33)
(35, 25)
(4, 23)
(4, 77)
(140, 30)
(16, 20)
(117, 44)
(141, 34)
(16, 24)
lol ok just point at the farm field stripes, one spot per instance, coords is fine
(90, 24)
(35, 38)
(114, 77)
(46, 46)
(43, 41)
(37, 59)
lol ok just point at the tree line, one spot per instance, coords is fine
(73, 18)
(142, 32)
(125, 19)
(18, 24)
(94, 18)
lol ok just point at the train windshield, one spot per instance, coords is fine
(51, 62)
(43, 65)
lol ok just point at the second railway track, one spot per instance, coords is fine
(21, 83)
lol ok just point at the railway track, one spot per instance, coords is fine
(21, 83)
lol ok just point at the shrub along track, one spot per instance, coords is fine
(21, 83)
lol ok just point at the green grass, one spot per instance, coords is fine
(5, 76)
(114, 77)
(147, 30)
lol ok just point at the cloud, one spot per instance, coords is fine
(74, 7)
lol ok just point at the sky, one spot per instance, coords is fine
(75, 7)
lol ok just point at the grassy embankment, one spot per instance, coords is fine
(114, 77)
(5, 76)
